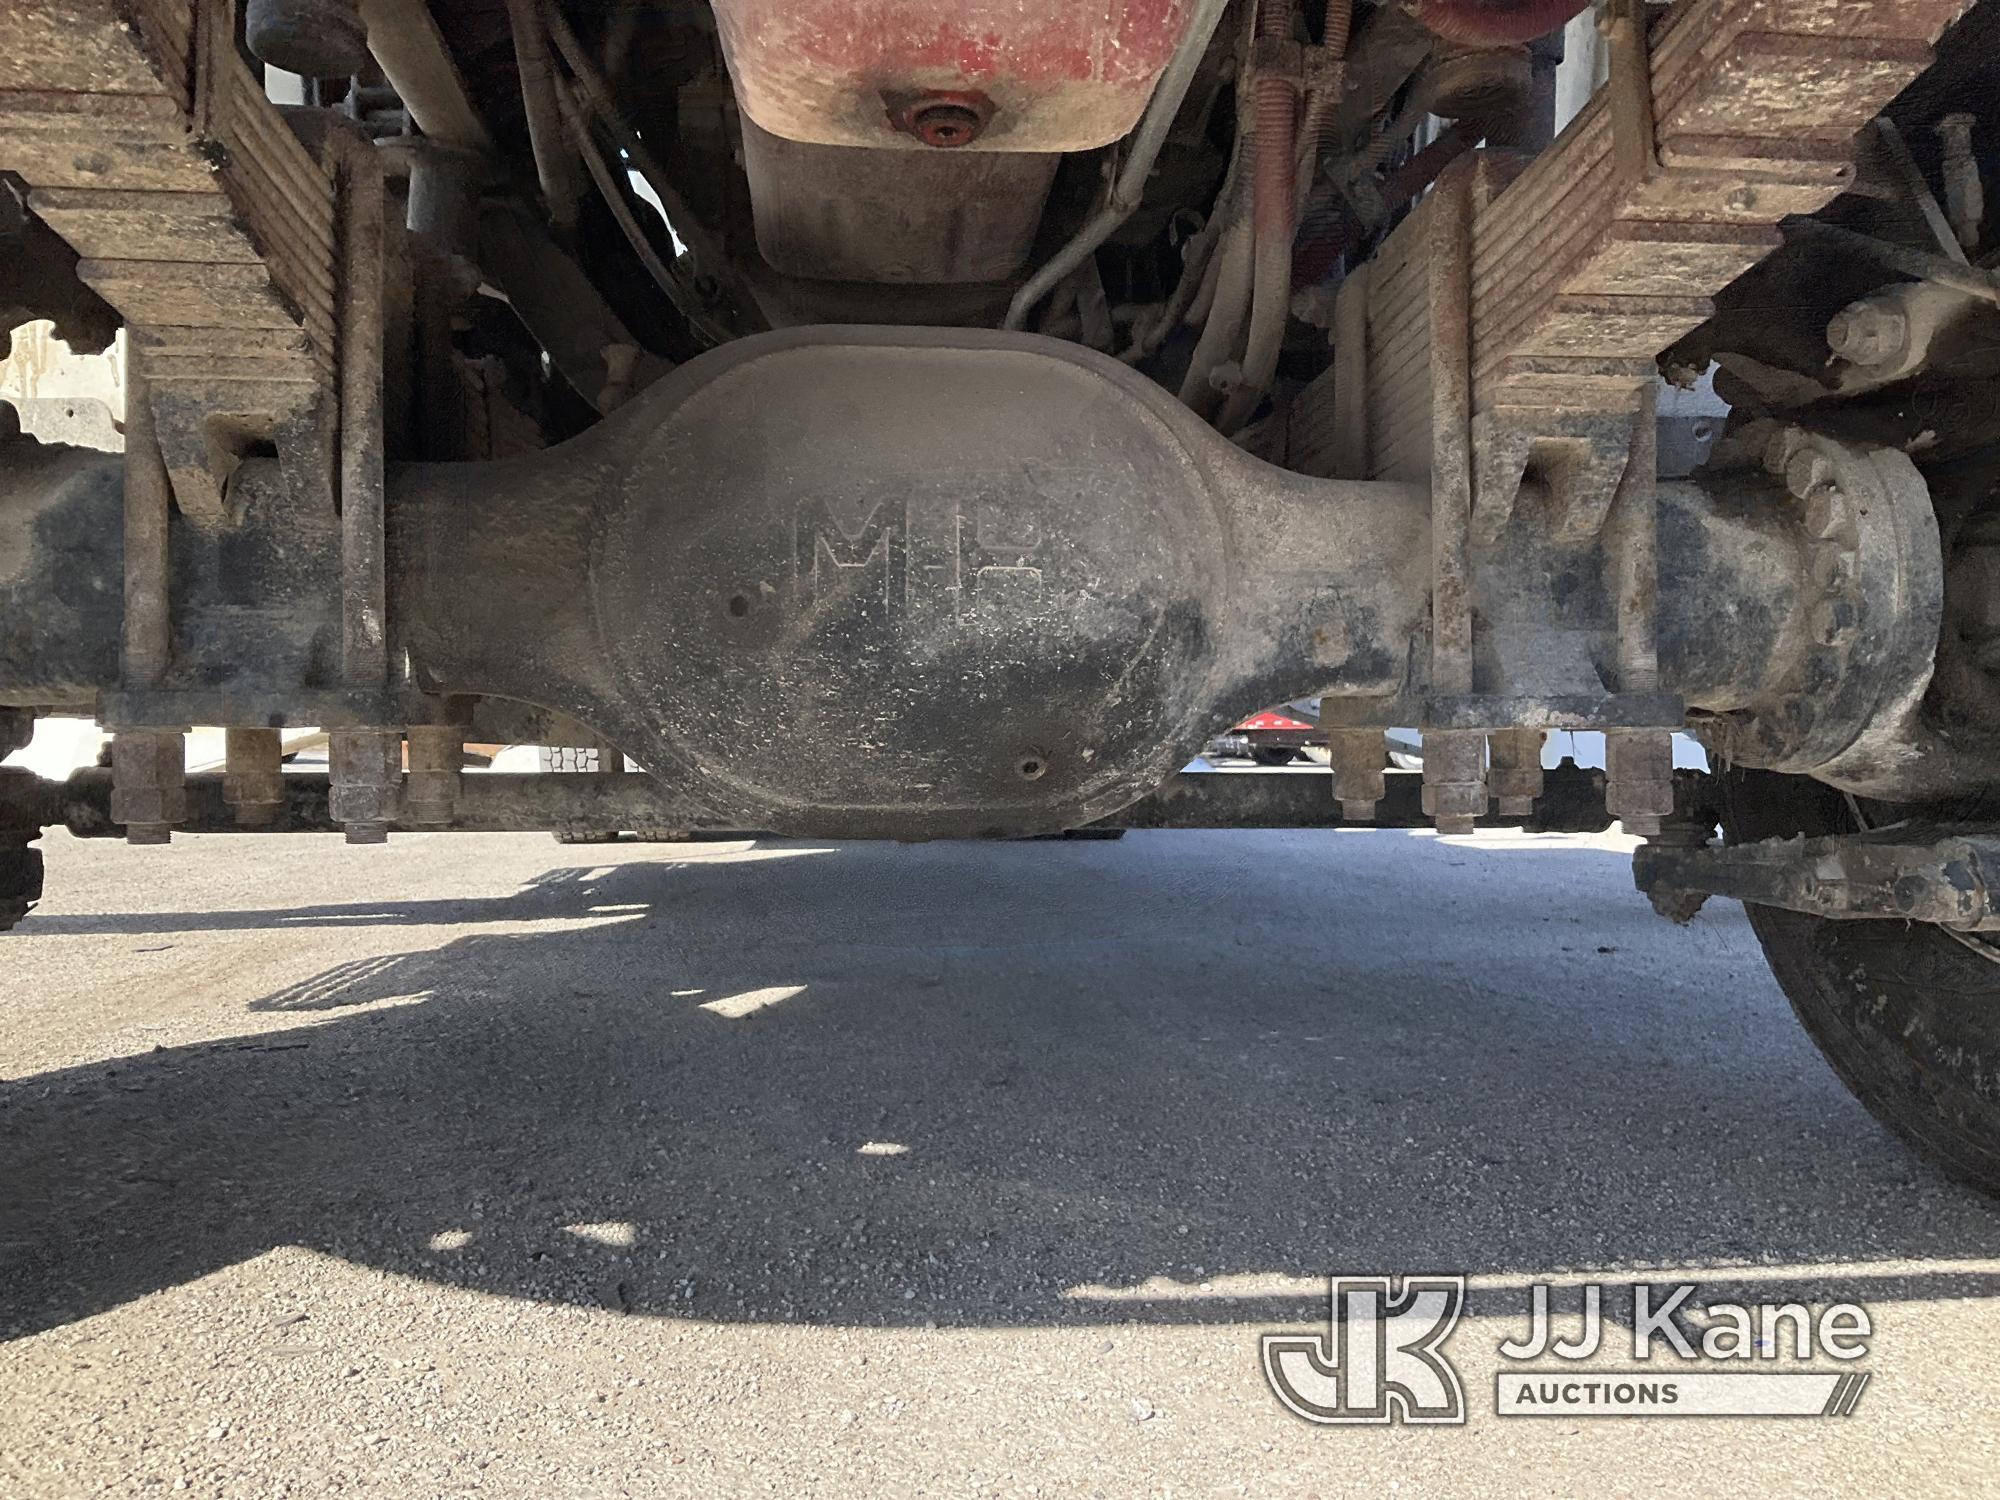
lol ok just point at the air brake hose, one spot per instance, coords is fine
(1274, 183)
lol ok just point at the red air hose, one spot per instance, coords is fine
(1276, 127)
(1273, 183)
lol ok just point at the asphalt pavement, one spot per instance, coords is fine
(490, 1165)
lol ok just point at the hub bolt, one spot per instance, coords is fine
(1868, 332)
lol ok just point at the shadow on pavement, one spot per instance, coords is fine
(996, 1085)
(553, 894)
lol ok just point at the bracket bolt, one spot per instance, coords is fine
(1808, 473)
(1832, 622)
(1825, 514)
(1778, 452)
(1832, 569)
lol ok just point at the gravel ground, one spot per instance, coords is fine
(486, 1164)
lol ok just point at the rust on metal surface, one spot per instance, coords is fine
(1609, 245)
(946, 118)
(148, 144)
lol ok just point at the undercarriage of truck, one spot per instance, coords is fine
(888, 419)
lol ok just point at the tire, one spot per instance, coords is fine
(569, 758)
(1906, 1014)
(1273, 755)
(652, 834)
(565, 759)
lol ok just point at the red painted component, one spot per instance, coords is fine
(1269, 720)
(1496, 23)
(1060, 76)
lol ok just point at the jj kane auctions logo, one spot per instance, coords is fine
(1382, 1358)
